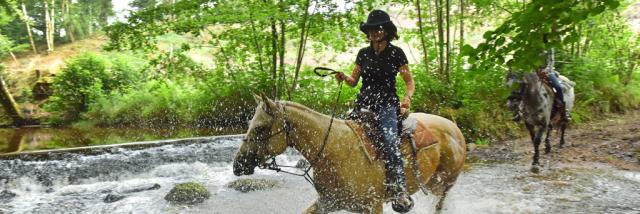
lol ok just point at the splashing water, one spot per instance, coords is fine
(79, 184)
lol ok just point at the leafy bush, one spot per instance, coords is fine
(218, 100)
(87, 78)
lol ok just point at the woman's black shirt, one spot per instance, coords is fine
(378, 72)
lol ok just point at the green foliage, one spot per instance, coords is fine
(216, 99)
(174, 89)
(321, 94)
(521, 36)
(7, 46)
(79, 18)
(87, 78)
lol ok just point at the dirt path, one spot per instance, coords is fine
(612, 142)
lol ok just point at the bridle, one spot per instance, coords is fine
(287, 129)
(273, 165)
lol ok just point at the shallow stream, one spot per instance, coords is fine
(76, 183)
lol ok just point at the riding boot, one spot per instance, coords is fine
(400, 199)
(561, 109)
(395, 184)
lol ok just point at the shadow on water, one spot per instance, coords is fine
(31, 139)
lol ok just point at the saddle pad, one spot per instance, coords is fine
(422, 135)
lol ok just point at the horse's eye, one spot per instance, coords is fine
(262, 130)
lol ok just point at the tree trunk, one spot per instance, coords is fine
(448, 68)
(274, 56)
(303, 43)
(255, 40)
(283, 83)
(10, 105)
(53, 24)
(425, 52)
(68, 28)
(49, 24)
(633, 62)
(13, 56)
(46, 25)
(440, 39)
(26, 22)
(90, 20)
(461, 25)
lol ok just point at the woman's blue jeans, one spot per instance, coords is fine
(556, 85)
(388, 124)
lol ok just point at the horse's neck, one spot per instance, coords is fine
(310, 130)
(533, 96)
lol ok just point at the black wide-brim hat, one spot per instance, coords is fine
(378, 18)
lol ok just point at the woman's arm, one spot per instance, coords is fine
(408, 79)
(350, 80)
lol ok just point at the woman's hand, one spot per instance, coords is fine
(406, 102)
(340, 77)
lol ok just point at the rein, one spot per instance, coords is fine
(287, 130)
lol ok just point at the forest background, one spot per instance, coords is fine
(173, 63)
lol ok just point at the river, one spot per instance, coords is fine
(77, 183)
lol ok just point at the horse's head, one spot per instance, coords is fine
(513, 77)
(532, 83)
(265, 138)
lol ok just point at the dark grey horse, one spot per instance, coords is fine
(535, 106)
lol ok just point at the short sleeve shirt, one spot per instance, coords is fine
(378, 73)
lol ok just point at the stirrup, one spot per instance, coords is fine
(402, 203)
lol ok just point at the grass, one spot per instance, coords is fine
(483, 143)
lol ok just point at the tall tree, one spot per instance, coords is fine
(441, 50)
(9, 104)
(304, 28)
(49, 16)
(25, 17)
(425, 52)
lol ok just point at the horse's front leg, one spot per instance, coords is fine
(531, 130)
(375, 208)
(536, 145)
(316, 208)
(547, 141)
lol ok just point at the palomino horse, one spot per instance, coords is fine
(536, 107)
(345, 177)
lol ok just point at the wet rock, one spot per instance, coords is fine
(6, 195)
(535, 169)
(247, 185)
(188, 193)
(302, 164)
(110, 198)
(155, 186)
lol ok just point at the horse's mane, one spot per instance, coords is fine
(298, 106)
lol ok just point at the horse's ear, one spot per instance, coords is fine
(269, 106)
(257, 98)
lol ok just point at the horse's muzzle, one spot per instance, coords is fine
(242, 166)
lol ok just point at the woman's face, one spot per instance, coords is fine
(376, 34)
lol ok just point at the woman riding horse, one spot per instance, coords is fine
(378, 65)
(551, 75)
(548, 73)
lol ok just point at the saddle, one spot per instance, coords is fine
(543, 75)
(411, 131)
